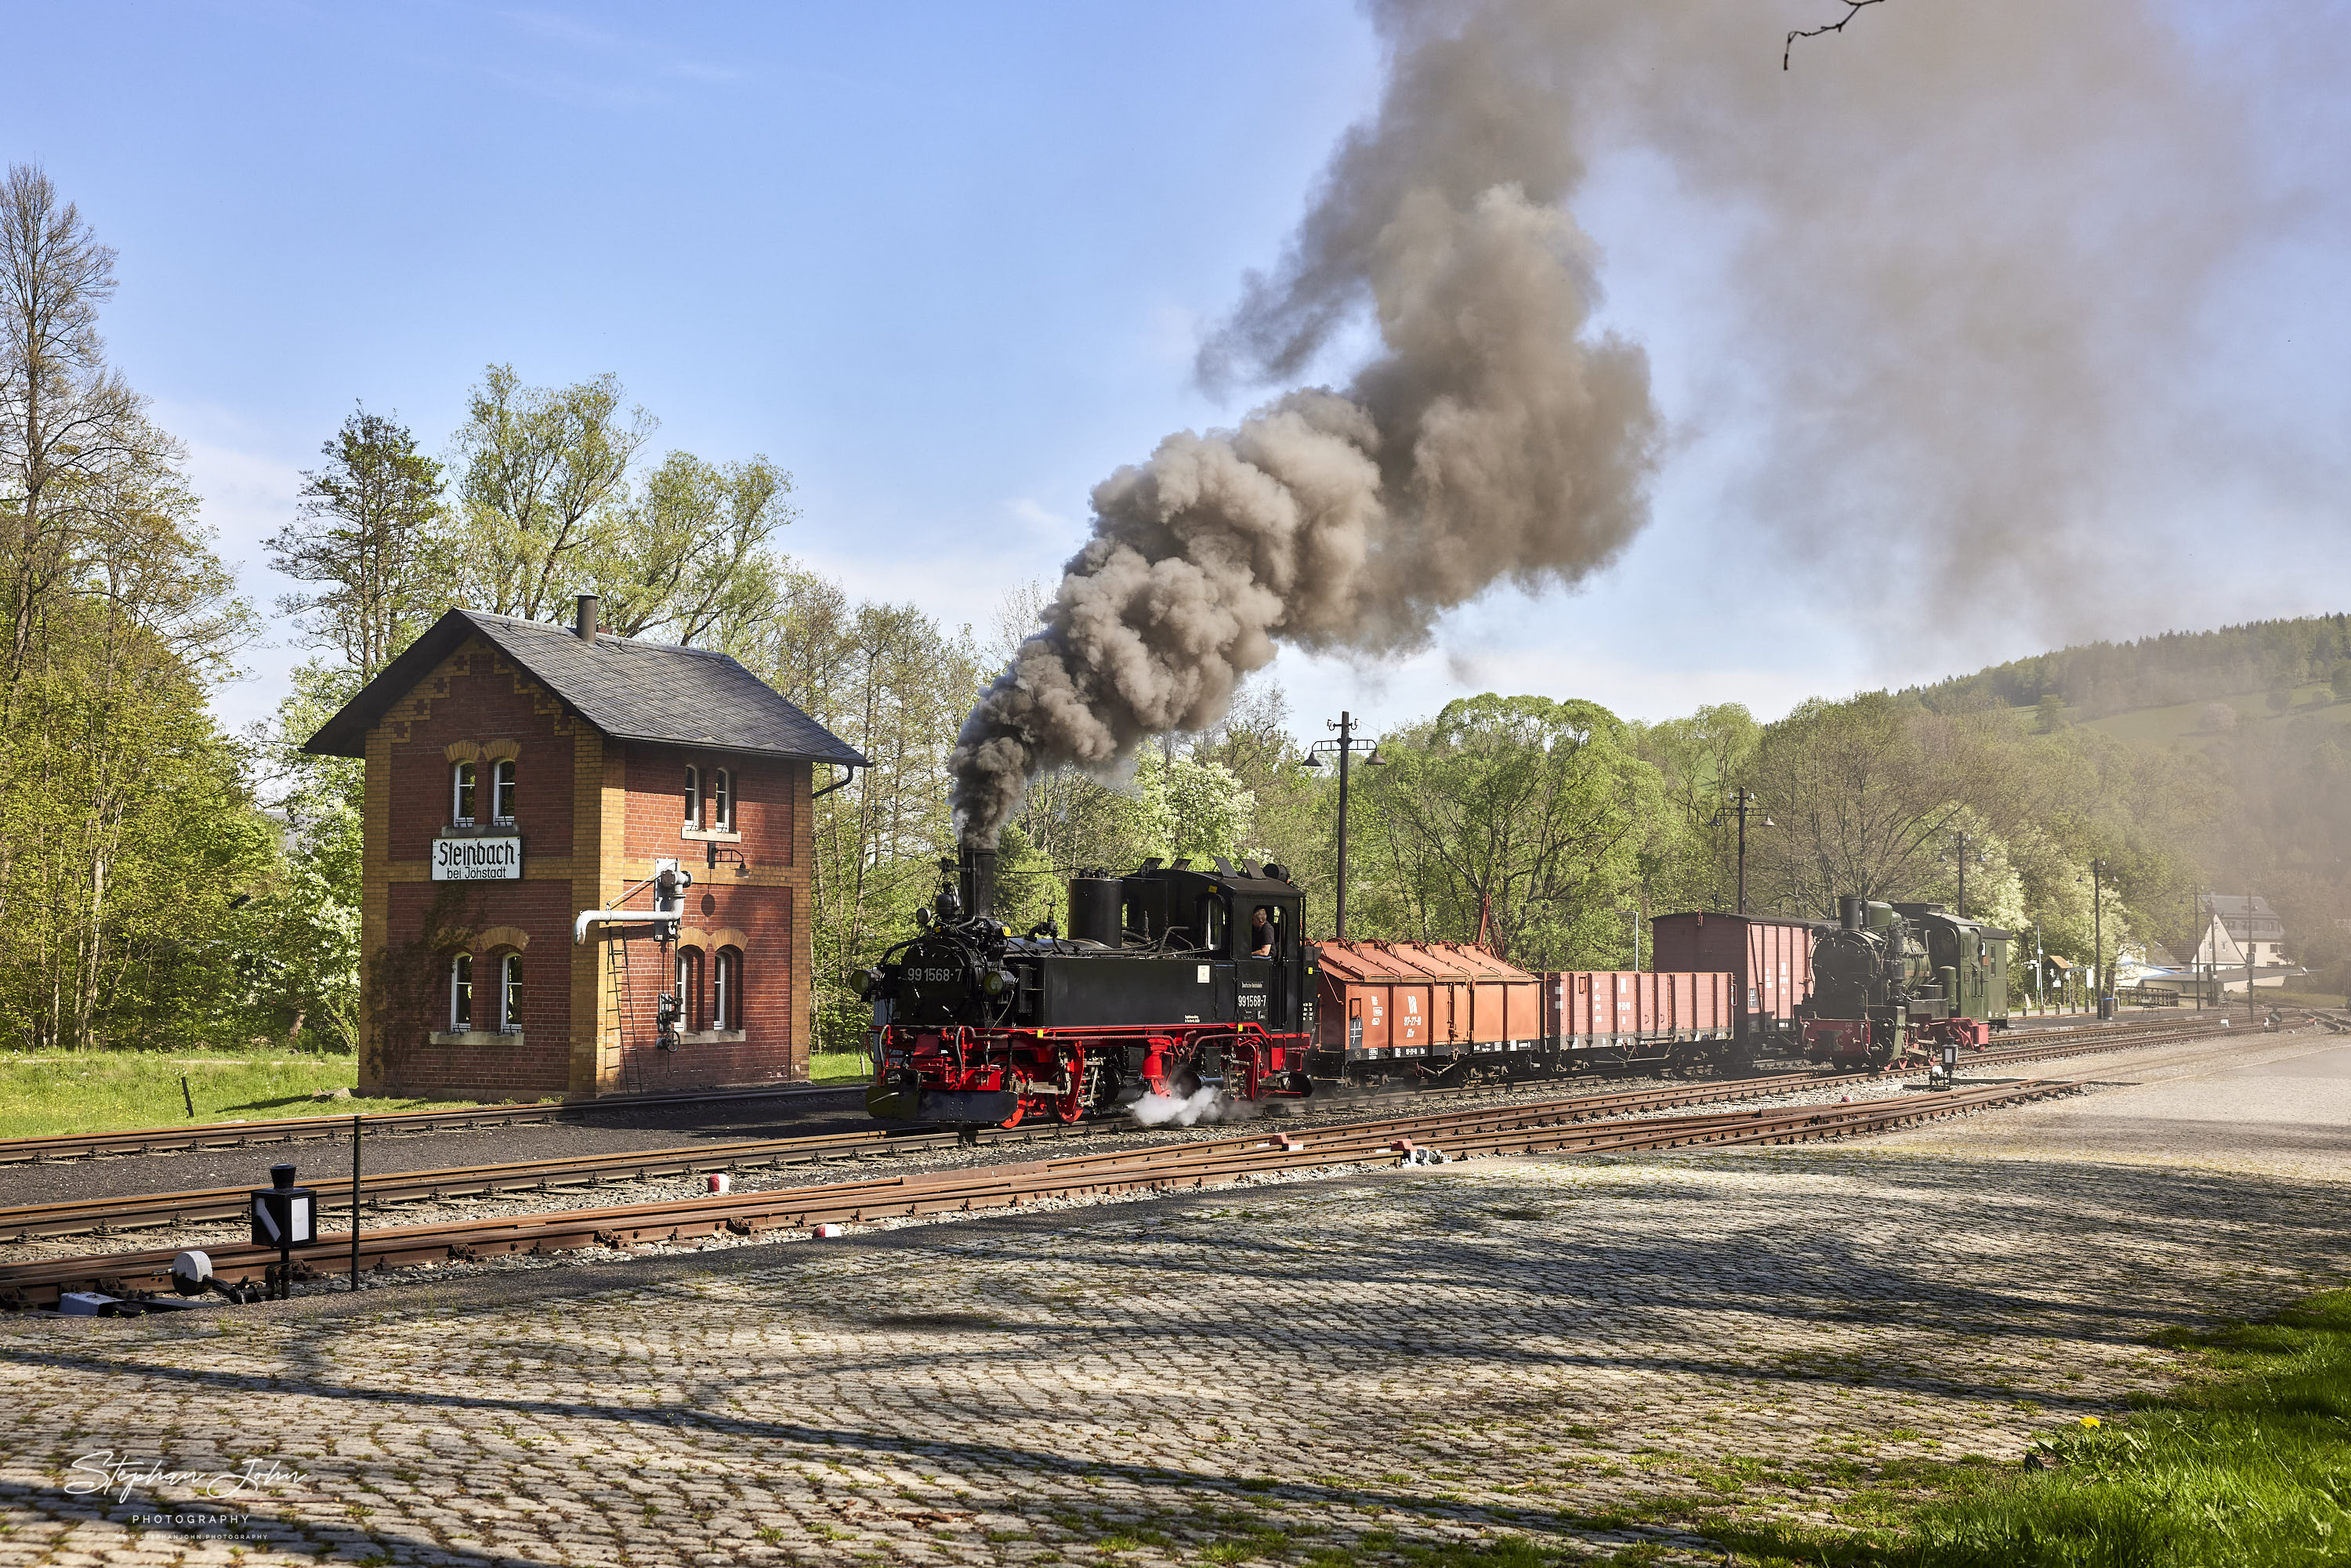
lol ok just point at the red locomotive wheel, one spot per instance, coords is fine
(1071, 1104)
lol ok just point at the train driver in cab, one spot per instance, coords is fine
(1261, 934)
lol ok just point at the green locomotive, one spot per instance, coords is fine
(1894, 976)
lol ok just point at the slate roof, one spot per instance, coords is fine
(628, 688)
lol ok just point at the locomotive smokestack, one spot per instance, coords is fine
(1849, 913)
(977, 874)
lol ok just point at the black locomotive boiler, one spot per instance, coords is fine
(1889, 976)
(1173, 980)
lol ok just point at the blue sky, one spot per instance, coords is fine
(948, 265)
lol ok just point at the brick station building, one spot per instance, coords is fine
(521, 773)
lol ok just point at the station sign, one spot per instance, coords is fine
(478, 859)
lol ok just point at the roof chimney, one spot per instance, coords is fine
(586, 624)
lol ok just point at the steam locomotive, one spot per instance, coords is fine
(1188, 982)
(1173, 980)
(1889, 976)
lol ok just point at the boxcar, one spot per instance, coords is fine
(1770, 960)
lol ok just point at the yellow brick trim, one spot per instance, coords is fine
(498, 936)
(375, 893)
(595, 1062)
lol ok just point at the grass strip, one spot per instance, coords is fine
(116, 1091)
(2248, 1465)
(110, 1091)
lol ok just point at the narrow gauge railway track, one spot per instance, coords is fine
(332, 1128)
(1166, 1168)
(326, 1128)
(103, 1215)
(107, 1216)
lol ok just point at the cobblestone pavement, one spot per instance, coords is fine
(1532, 1347)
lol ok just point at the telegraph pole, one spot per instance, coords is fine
(2098, 934)
(2249, 1014)
(1741, 802)
(1345, 747)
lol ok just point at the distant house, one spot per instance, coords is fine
(2240, 928)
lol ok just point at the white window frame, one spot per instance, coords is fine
(726, 981)
(689, 987)
(510, 994)
(692, 798)
(461, 992)
(464, 781)
(722, 784)
(503, 791)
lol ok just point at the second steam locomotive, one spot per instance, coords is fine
(1193, 986)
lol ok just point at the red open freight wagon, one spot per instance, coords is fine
(1440, 1000)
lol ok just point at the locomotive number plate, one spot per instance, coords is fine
(934, 977)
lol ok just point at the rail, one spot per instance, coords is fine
(329, 1128)
(1164, 1168)
(108, 1215)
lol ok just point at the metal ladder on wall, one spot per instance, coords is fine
(616, 966)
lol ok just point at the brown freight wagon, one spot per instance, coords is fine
(1478, 1005)
(1769, 958)
(1440, 1006)
(1369, 1006)
(1422, 1009)
(1594, 1018)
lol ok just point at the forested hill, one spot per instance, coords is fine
(2095, 679)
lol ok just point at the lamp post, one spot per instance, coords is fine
(2249, 1014)
(2039, 973)
(1345, 747)
(1741, 801)
(2098, 934)
(1959, 857)
(2195, 905)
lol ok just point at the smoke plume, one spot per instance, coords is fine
(1945, 274)
(1494, 438)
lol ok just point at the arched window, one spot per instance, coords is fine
(502, 791)
(689, 988)
(726, 990)
(722, 783)
(692, 798)
(461, 795)
(461, 990)
(510, 994)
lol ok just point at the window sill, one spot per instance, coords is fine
(474, 1037)
(712, 1036)
(711, 836)
(504, 828)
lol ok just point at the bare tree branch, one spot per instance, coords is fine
(1851, 9)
